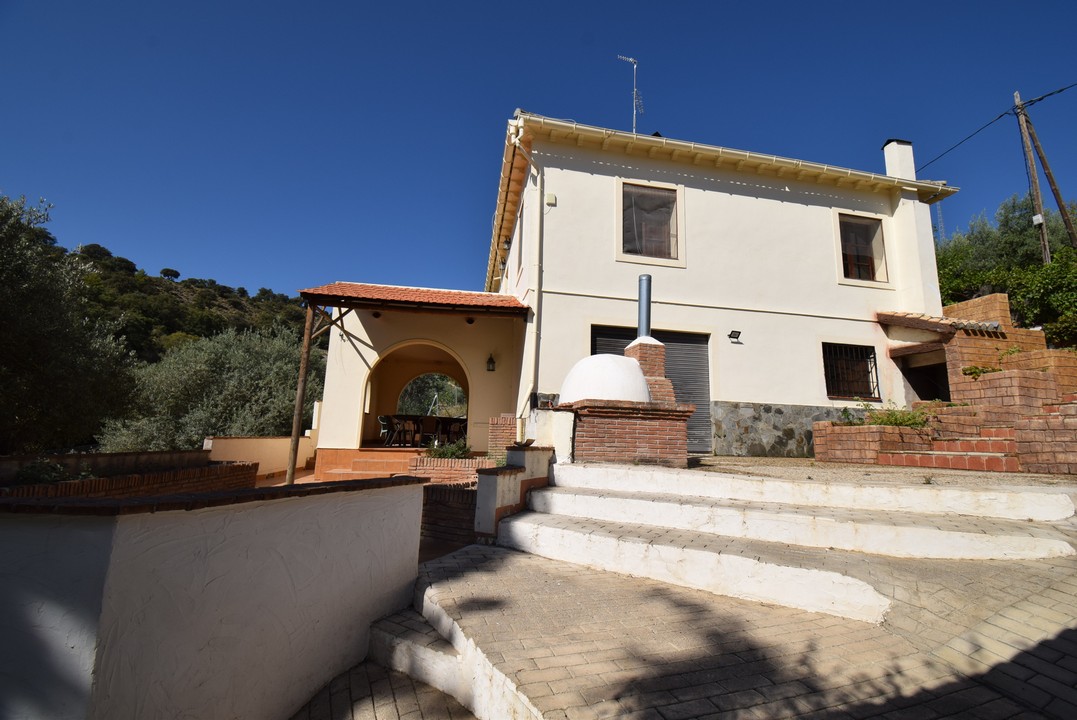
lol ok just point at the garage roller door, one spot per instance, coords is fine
(686, 367)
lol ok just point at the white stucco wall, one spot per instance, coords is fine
(351, 360)
(246, 611)
(762, 255)
(52, 575)
(233, 612)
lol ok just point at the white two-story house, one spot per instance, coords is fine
(767, 274)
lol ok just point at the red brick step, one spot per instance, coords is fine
(984, 462)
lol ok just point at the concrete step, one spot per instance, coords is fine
(895, 534)
(407, 643)
(1016, 504)
(736, 567)
(428, 645)
(979, 461)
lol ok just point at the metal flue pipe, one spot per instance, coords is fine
(644, 323)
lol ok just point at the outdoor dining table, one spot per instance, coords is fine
(419, 430)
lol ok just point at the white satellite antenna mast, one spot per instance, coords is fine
(637, 99)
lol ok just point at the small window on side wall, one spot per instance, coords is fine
(850, 372)
(649, 226)
(862, 252)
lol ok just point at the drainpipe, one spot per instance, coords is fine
(644, 322)
(536, 282)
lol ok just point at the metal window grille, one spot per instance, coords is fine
(850, 371)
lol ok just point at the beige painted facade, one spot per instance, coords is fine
(371, 362)
(758, 250)
(760, 254)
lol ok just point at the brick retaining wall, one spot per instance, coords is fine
(1045, 443)
(449, 470)
(863, 443)
(449, 512)
(211, 478)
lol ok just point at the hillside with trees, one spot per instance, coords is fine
(94, 344)
(1004, 256)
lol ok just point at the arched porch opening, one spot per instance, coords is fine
(388, 379)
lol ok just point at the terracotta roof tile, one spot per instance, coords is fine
(365, 292)
(930, 322)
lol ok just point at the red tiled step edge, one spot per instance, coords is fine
(975, 445)
(984, 462)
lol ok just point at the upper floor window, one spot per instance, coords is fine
(650, 218)
(862, 254)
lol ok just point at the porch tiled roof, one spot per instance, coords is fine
(365, 294)
(946, 325)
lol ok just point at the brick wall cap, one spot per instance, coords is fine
(644, 340)
(192, 501)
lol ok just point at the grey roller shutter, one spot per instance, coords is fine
(686, 367)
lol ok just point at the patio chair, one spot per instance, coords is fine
(388, 433)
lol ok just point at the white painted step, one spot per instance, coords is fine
(1011, 503)
(419, 646)
(735, 567)
(896, 534)
(407, 643)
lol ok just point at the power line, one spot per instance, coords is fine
(1011, 111)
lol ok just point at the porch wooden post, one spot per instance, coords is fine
(300, 396)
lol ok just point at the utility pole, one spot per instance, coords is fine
(1062, 209)
(1034, 178)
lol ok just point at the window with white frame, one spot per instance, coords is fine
(862, 253)
(850, 372)
(650, 224)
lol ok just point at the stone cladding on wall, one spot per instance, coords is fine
(766, 429)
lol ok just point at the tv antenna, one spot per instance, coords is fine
(637, 99)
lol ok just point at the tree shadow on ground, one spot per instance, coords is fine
(740, 671)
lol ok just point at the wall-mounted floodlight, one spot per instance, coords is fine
(734, 335)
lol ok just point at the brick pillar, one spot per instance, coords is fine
(651, 356)
(502, 434)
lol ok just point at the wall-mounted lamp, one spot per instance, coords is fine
(375, 314)
(734, 335)
(470, 321)
(490, 364)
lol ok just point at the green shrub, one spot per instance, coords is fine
(39, 472)
(897, 417)
(890, 415)
(458, 449)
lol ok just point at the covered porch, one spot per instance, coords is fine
(408, 367)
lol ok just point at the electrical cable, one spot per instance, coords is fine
(1011, 111)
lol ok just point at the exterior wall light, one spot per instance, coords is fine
(734, 335)
(490, 364)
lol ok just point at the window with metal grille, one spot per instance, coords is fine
(850, 371)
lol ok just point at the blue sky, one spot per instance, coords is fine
(287, 144)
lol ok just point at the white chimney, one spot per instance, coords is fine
(899, 160)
